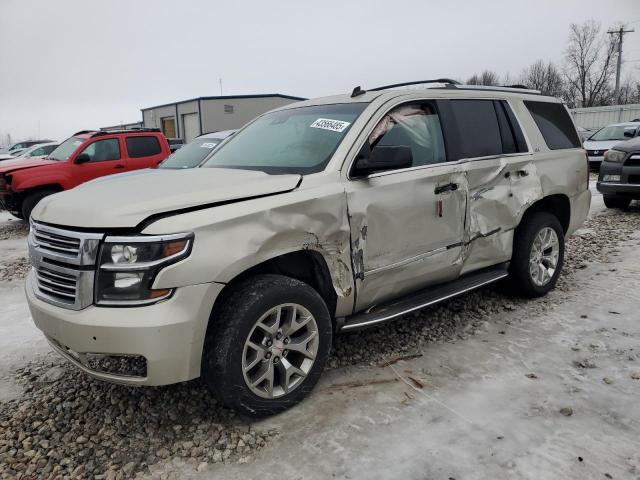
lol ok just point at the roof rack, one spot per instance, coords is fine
(450, 83)
(82, 132)
(447, 81)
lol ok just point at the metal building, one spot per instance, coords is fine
(597, 117)
(189, 118)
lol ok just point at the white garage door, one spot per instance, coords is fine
(191, 126)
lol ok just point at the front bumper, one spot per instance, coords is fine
(169, 335)
(631, 190)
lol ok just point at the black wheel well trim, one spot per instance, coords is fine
(558, 205)
(307, 266)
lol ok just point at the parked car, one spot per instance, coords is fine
(605, 138)
(86, 155)
(175, 144)
(321, 217)
(193, 153)
(17, 147)
(584, 133)
(38, 150)
(619, 177)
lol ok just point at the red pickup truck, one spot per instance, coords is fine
(86, 155)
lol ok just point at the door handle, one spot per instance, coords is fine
(119, 166)
(449, 187)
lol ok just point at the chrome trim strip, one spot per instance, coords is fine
(149, 238)
(616, 184)
(423, 305)
(406, 261)
(85, 254)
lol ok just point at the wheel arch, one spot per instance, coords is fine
(558, 205)
(308, 266)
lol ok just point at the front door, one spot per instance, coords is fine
(105, 158)
(407, 225)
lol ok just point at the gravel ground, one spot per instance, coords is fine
(14, 229)
(66, 424)
(14, 269)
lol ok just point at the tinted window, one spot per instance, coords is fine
(103, 150)
(555, 124)
(416, 126)
(143, 146)
(478, 124)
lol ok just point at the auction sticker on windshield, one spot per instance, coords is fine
(208, 145)
(328, 124)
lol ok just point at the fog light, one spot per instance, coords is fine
(611, 178)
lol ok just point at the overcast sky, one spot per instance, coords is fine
(67, 65)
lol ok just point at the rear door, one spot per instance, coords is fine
(501, 177)
(143, 151)
(407, 225)
(105, 158)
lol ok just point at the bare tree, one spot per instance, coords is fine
(545, 77)
(487, 77)
(589, 64)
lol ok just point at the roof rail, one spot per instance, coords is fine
(447, 81)
(126, 130)
(82, 132)
(499, 88)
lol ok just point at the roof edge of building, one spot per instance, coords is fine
(225, 97)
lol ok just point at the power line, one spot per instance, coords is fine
(620, 32)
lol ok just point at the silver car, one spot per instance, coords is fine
(322, 217)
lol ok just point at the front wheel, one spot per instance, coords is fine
(538, 255)
(613, 201)
(266, 345)
(31, 200)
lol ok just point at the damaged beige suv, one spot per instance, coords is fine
(321, 217)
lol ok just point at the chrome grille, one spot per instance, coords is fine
(61, 286)
(56, 243)
(63, 265)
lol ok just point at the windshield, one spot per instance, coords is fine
(297, 140)
(66, 149)
(613, 132)
(192, 154)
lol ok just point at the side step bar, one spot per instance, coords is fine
(424, 298)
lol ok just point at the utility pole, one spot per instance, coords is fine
(620, 32)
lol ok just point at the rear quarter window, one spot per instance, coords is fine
(141, 146)
(555, 124)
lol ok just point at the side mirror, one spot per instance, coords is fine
(629, 133)
(83, 158)
(381, 158)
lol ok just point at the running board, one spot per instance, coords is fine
(424, 298)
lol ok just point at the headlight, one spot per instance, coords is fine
(128, 266)
(614, 156)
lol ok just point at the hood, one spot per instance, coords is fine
(126, 200)
(7, 166)
(631, 145)
(599, 144)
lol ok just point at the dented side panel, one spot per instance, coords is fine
(233, 238)
(404, 234)
(500, 191)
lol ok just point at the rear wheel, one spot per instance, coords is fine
(613, 201)
(538, 254)
(267, 345)
(31, 200)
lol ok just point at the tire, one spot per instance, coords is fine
(524, 278)
(31, 200)
(613, 201)
(227, 352)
